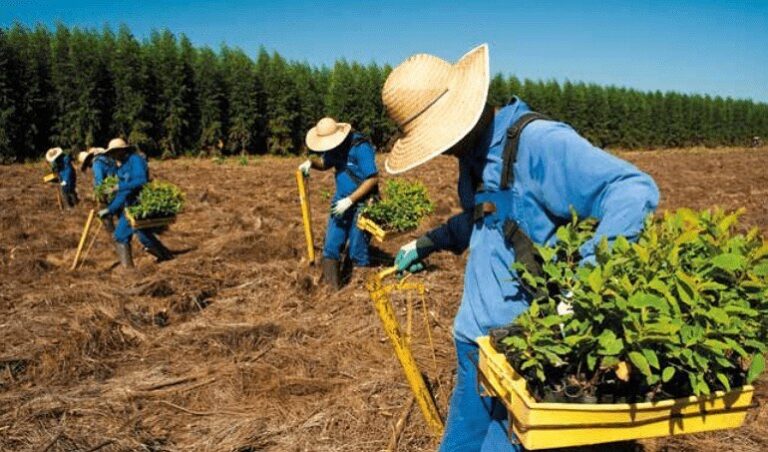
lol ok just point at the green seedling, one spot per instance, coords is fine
(105, 192)
(158, 199)
(682, 310)
(402, 207)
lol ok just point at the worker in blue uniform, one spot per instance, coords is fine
(520, 175)
(352, 157)
(132, 174)
(103, 166)
(61, 165)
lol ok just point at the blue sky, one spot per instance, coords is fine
(712, 47)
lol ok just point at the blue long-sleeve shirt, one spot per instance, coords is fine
(103, 167)
(352, 166)
(132, 174)
(66, 173)
(556, 169)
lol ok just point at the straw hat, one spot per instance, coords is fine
(434, 104)
(327, 134)
(53, 154)
(117, 144)
(85, 158)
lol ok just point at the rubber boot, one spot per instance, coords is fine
(124, 254)
(331, 273)
(160, 252)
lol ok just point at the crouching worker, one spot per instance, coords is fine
(352, 157)
(61, 165)
(132, 174)
(102, 166)
(520, 174)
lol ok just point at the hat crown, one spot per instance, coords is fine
(53, 153)
(82, 155)
(414, 86)
(116, 143)
(327, 126)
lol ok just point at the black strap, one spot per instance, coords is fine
(525, 253)
(510, 149)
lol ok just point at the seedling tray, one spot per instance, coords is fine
(149, 222)
(51, 177)
(379, 233)
(548, 425)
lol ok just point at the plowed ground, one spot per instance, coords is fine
(234, 345)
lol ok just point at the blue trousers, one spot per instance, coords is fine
(124, 232)
(341, 229)
(474, 423)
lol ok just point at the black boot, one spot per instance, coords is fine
(160, 252)
(331, 273)
(124, 254)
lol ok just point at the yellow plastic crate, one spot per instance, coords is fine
(548, 425)
(149, 222)
(51, 177)
(368, 225)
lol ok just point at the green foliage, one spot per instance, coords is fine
(105, 192)
(158, 199)
(686, 306)
(75, 87)
(402, 207)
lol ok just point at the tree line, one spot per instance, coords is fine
(75, 87)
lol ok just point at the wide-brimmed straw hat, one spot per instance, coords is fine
(434, 104)
(327, 134)
(53, 154)
(117, 144)
(86, 157)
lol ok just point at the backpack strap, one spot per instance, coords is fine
(510, 149)
(492, 203)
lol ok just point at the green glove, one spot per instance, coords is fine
(410, 256)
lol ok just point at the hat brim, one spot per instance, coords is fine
(317, 143)
(122, 148)
(449, 119)
(87, 161)
(53, 154)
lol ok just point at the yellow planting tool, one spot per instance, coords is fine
(380, 295)
(306, 215)
(83, 238)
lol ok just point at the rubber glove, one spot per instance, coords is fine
(410, 255)
(341, 206)
(304, 167)
(103, 213)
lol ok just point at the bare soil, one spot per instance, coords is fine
(235, 345)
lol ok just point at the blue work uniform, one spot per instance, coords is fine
(132, 174)
(352, 166)
(103, 167)
(67, 178)
(555, 170)
(66, 173)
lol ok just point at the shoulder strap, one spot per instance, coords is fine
(510, 149)
(359, 139)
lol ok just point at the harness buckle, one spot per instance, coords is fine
(483, 209)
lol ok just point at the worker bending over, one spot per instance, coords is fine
(352, 157)
(61, 165)
(520, 175)
(132, 174)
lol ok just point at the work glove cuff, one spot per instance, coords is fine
(425, 246)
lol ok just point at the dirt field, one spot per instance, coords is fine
(234, 346)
